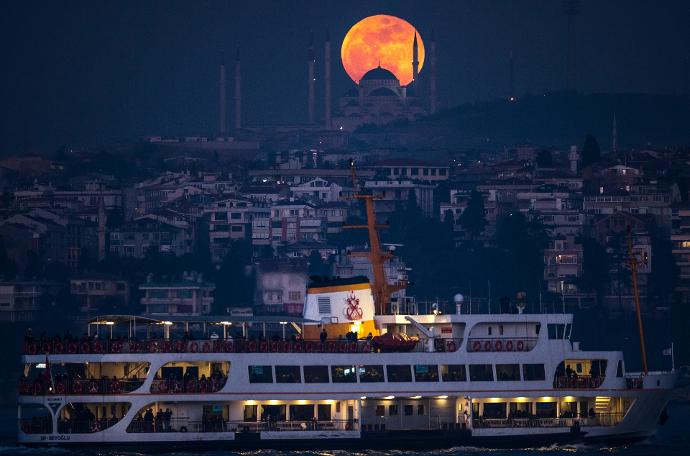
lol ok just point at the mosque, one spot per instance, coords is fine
(379, 98)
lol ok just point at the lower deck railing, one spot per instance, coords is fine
(604, 419)
(219, 425)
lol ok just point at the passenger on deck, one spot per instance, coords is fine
(323, 336)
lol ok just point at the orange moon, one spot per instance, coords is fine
(381, 39)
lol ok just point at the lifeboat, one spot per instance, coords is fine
(394, 342)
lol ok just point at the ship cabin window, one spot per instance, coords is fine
(288, 374)
(273, 412)
(371, 374)
(392, 410)
(520, 410)
(453, 373)
(481, 373)
(507, 372)
(260, 374)
(546, 410)
(494, 410)
(489, 330)
(533, 372)
(250, 412)
(35, 419)
(85, 418)
(408, 409)
(500, 330)
(399, 373)
(323, 412)
(316, 374)
(619, 369)
(301, 412)
(343, 374)
(420, 409)
(425, 373)
(537, 328)
(380, 410)
(556, 331)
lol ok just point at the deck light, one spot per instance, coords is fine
(415, 397)
(226, 323)
(166, 323)
(389, 397)
(442, 397)
(363, 397)
(41, 366)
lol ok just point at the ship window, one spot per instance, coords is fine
(532, 372)
(489, 329)
(399, 373)
(316, 374)
(381, 410)
(250, 412)
(392, 410)
(453, 373)
(420, 409)
(371, 374)
(260, 374)
(481, 373)
(494, 410)
(273, 412)
(324, 412)
(324, 305)
(288, 374)
(409, 410)
(507, 372)
(302, 412)
(520, 409)
(425, 373)
(556, 331)
(546, 409)
(343, 374)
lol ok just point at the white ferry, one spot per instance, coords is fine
(403, 380)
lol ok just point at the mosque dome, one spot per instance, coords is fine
(378, 74)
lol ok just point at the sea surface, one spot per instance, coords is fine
(672, 439)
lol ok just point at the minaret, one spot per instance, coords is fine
(311, 79)
(432, 79)
(415, 61)
(222, 98)
(327, 80)
(614, 135)
(101, 229)
(238, 91)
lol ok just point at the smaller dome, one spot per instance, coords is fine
(378, 73)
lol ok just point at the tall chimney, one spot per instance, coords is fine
(222, 97)
(311, 79)
(432, 79)
(238, 91)
(327, 79)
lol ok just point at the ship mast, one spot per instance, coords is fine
(382, 290)
(633, 263)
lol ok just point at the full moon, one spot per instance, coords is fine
(381, 40)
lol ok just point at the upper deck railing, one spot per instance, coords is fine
(117, 346)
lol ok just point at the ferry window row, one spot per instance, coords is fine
(396, 373)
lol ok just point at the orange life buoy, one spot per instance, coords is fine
(352, 348)
(60, 388)
(151, 346)
(45, 347)
(163, 387)
(252, 346)
(217, 346)
(194, 347)
(487, 346)
(179, 346)
(274, 346)
(97, 346)
(59, 347)
(342, 347)
(33, 348)
(451, 346)
(520, 345)
(476, 346)
(331, 347)
(38, 389)
(509, 346)
(499, 346)
(85, 347)
(227, 347)
(296, 347)
(309, 347)
(263, 347)
(76, 387)
(206, 348)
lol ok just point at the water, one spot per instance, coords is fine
(673, 439)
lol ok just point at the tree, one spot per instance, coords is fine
(8, 268)
(595, 265)
(590, 151)
(234, 281)
(473, 218)
(316, 264)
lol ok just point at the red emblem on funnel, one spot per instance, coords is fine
(353, 311)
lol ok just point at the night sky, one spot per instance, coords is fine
(98, 72)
